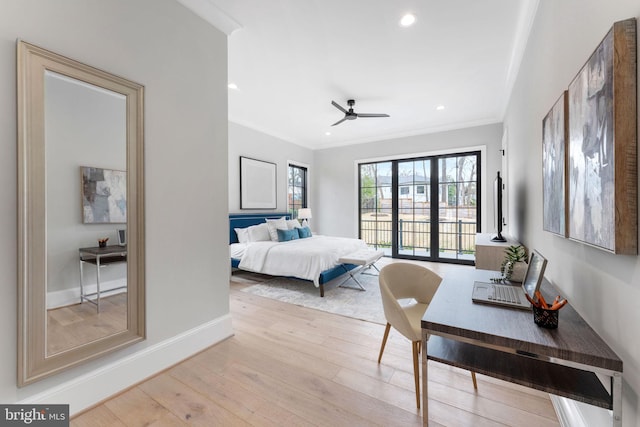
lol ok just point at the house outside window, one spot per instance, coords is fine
(296, 189)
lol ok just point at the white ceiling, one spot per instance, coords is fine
(291, 58)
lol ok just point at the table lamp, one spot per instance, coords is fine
(304, 214)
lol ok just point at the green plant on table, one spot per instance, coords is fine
(512, 255)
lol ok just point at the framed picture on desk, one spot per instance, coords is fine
(122, 237)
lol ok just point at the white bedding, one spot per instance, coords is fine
(236, 250)
(301, 258)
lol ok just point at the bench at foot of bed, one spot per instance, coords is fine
(364, 259)
(333, 273)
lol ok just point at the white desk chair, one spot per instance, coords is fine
(401, 281)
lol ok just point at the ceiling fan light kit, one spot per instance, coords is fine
(352, 115)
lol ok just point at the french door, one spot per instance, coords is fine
(424, 208)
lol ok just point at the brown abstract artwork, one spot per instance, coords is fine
(602, 145)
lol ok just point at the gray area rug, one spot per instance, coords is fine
(345, 301)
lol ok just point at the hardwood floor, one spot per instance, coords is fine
(292, 366)
(77, 324)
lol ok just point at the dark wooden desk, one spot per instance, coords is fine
(505, 343)
(99, 257)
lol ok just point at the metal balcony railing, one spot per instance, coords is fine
(454, 236)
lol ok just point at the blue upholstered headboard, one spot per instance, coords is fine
(247, 220)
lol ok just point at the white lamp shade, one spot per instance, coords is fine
(304, 213)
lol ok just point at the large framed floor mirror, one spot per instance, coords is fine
(81, 288)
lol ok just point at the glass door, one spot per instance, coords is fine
(424, 208)
(458, 213)
(376, 205)
(414, 208)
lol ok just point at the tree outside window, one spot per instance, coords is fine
(296, 189)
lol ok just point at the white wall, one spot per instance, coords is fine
(604, 288)
(182, 61)
(335, 190)
(247, 142)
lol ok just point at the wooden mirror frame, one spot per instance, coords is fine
(33, 362)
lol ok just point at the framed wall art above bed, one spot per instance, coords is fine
(257, 184)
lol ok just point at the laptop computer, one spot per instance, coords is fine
(511, 295)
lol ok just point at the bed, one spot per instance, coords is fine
(313, 259)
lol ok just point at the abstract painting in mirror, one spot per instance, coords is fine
(77, 301)
(104, 195)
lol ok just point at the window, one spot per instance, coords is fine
(296, 189)
(422, 208)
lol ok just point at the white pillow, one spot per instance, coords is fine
(243, 235)
(259, 233)
(293, 223)
(273, 225)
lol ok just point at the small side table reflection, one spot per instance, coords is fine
(99, 257)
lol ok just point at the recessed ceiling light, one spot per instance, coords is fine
(408, 20)
(233, 86)
(440, 107)
(328, 133)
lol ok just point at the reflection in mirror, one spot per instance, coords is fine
(80, 181)
(84, 125)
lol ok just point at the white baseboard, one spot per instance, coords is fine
(576, 414)
(87, 390)
(66, 297)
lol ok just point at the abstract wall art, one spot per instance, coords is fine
(554, 188)
(104, 195)
(602, 159)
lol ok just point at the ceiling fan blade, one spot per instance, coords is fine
(335, 104)
(372, 115)
(339, 121)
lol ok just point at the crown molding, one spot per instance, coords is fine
(212, 14)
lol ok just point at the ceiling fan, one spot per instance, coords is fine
(352, 115)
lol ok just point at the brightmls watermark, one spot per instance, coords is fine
(34, 415)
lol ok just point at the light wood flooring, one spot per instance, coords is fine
(77, 324)
(292, 366)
